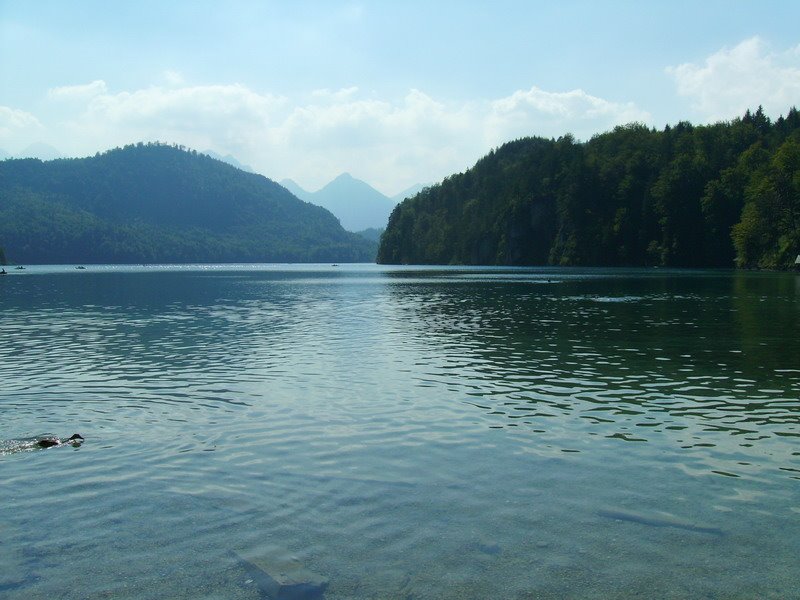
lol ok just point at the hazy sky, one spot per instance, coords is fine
(393, 92)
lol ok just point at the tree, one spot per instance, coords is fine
(768, 234)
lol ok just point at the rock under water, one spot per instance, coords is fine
(282, 578)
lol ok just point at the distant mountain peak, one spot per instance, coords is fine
(294, 188)
(41, 151)
(229, 159)
(347, 182)
(356, 204)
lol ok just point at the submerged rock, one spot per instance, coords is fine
(281, 578)
(658, 520)
(489, 547)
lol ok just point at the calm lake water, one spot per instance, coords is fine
(400, 432)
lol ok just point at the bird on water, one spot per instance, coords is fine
(75, 440)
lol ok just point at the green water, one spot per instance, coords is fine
(400, 432)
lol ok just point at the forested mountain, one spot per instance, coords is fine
(159, 203)
(371, 233)
(688, 196)
(356, 203)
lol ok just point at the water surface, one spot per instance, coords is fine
(400, 432)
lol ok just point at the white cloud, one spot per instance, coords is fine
(17, 124)
(224, 117)
(185, 107)
(78, 92)
(389, 142)
(734, 79)
(173, 78)
(338, 95)
(556, 113)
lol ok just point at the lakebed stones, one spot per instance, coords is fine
(282, 578)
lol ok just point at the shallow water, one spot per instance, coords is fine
(401, 433)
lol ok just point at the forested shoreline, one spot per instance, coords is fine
(720, 195)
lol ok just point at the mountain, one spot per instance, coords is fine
(688, 196)
(408, 193)
(357, 204)
(158, 203)
(230, 159)
(296, 190)
(41, 151)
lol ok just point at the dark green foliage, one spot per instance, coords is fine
(3, 260)
(688, 196)
(371, 233)
(159, 203)
(768, 235)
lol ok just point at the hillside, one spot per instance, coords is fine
(159, 203)
(688, 196)
(358, 205)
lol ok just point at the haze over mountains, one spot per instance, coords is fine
(38, 150)
(357, 204)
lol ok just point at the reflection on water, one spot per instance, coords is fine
(679, 358)
(400, 433)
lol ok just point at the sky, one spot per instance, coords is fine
(394, 93)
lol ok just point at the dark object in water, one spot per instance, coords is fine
(280, 578)
(76, 439)
(656, 521)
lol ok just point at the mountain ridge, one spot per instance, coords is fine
(230, 159)
(357, 204)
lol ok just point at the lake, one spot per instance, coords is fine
(399, 432)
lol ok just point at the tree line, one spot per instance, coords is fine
(720, 195)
